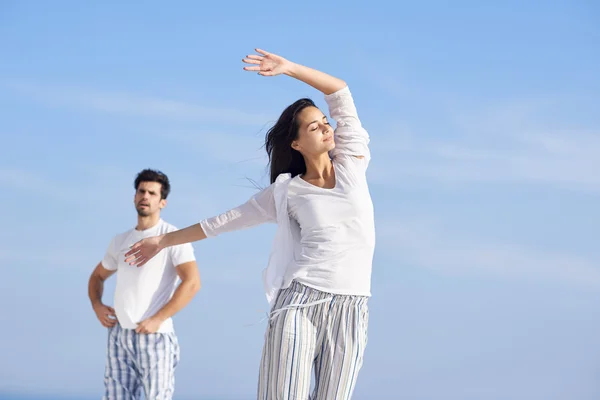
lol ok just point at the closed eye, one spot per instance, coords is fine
(317, 127)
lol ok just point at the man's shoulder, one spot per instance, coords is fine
(166, 227)
(120, 237)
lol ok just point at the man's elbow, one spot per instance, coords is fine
(95, 278)
(195, 285)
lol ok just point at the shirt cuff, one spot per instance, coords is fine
(208, 231)
(336, 95)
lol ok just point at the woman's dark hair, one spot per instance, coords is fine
(151, 175)
(278, 142)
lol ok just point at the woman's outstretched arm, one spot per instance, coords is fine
(269, 64)
(147, 248)
(258, 210)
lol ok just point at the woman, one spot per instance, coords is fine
(318, 276)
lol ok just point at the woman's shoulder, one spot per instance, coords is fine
(282, 178)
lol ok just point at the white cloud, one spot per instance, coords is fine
(129, 104)
(225, 147)
(470, 137)
(54, 255)
(34, 183)
(425, 244)
(245, 148)
(518, 151)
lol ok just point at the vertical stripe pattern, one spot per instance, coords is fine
(328, 338)
(137, 363)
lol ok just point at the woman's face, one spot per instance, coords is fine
(315, 135)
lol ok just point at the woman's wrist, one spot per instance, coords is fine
(163, 241)
(292, 69)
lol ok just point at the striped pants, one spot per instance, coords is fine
(328, 337)
(137, 362)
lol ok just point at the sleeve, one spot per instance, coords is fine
(258, 210)
(110, 257)
(351, 139)
(182, 254)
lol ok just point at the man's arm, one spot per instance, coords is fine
(187, 289)
(106, 315)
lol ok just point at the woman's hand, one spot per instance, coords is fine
(143, 251)
(268, 64)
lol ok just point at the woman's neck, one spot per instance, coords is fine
(319, 167)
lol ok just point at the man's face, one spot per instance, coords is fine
(147, 199)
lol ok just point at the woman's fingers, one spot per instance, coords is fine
(137, 261)
(141, 261)
(133, 249)
(252, 68)
(131, 256)
(134, 258)
(251, 61)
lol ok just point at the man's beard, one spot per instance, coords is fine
(141, 212)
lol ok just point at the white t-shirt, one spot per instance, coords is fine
(332, 230)
(337, 233)
(142, 291)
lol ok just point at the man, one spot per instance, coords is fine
(142, 346)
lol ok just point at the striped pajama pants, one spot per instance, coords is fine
(140, 362)
(327, 337)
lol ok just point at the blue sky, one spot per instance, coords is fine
(485, 179)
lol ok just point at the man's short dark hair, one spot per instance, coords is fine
(151, 175)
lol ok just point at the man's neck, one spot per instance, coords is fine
(147, 222)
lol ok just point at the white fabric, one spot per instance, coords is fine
(141, 292)
(325, 238)
(337, 234)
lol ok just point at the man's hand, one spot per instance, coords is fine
(150, 325)
(106, 315)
